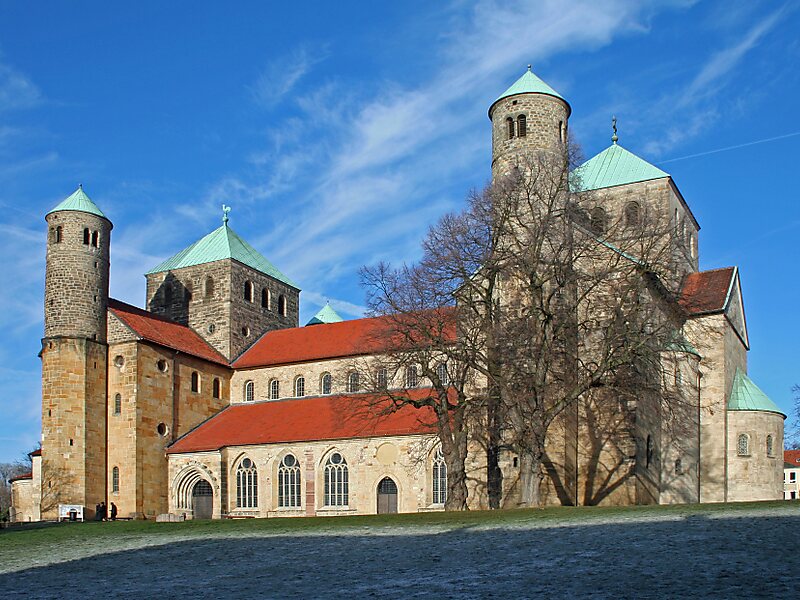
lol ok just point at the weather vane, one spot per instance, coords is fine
(614, 137)
(225, 211)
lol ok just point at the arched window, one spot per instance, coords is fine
(274, 390)
(216, 388)
(598, 220)
(522, 126)
(289, 482)
(382, 379)
(246, 485)
(248, 291)
(117, 404)
(510, 125)
(353, 382)
(743, 445)
(649, 451)
(442, 374)
(59, 234)
(337, 492)
(439, 477)
(209, 286)
(167, 291)
(633, 214)
(770, 449)
(678, 467)
(326, 383)
(282, 305)
(187, 291)
(265, 299)
(95, 239)
(115, 480)
(300, 387)
(86, 235)
(562, 131)
(249, 391)
(412, 379)
(195, 381)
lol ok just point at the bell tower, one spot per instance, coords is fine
(75, 355)
(528, 118)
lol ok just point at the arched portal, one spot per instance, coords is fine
(387, 496)
(202, 500)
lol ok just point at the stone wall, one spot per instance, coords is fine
(405, 459)
(546, 119)
(76, 276)
(757, 475)
(218, 311)
(22, 502)
(74, 374)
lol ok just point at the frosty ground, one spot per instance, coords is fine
(745, 550)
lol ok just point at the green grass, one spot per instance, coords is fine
(33, 538)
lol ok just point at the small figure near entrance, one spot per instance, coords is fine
(97, 515)
(113, 512)
(103, 512)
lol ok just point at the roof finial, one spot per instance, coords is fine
(80, 186)
(225, 211)
(529, 67)
(614, 137)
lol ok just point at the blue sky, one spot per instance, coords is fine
(338, 131)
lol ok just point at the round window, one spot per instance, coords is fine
(162, 365)
(245, 331)
(289, 461)
(119, 361)
(162, 429)
(247, 463)
(336, 458)
(211, 328)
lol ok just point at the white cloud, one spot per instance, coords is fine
(16, 90)
(281, 75)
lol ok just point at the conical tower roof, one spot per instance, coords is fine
(325, 315)
(614, 166)
(529, 83)
(222, 243)
(746, 395)
(80, 202)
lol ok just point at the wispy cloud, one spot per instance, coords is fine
(281, 75)
(16, 90)
(689, 110)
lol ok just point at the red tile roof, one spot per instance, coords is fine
(306, 419)
(792, 457)
(334, 340)
(164, 332)
(21, 477)
(705, 292)
(37, 452)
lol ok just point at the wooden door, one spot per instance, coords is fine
(387, 496)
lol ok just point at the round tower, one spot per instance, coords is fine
(77, 266)
(528, 118)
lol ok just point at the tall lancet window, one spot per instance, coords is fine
(522, 126)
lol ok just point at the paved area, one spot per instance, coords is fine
(742, 554)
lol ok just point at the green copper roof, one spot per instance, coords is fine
(528, 84)
(79, 201)
(325, 315)
(614, 166)
(221, 244)
(745, 395)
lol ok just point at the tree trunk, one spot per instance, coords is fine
(456, 485)
(530, 478)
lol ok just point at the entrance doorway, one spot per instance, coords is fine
(202, 500)
(387, 496)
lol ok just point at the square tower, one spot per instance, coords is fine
(225, 290)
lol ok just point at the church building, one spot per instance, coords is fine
(213, 401)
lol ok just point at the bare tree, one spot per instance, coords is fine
(557, 311)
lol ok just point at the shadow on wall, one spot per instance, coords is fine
(674, 557)
(172, 299)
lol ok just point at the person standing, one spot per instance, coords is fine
(113, 512)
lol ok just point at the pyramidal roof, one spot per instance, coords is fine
(79, 201)
(745, 395)
(529, 83)
(614, 166)
(325, 315)
(221, 244)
